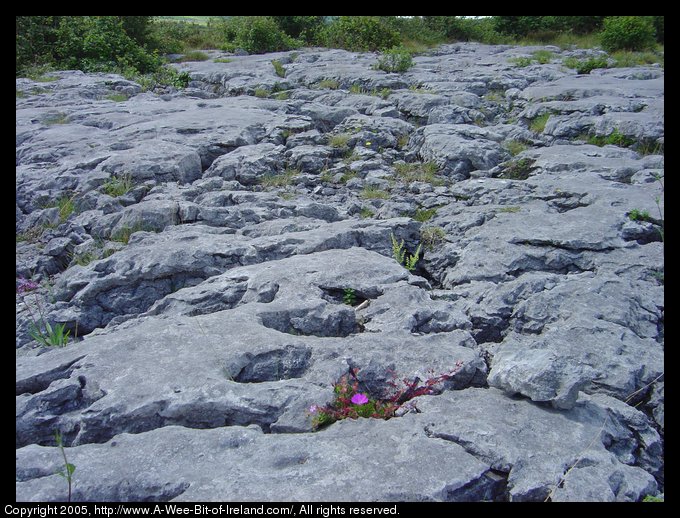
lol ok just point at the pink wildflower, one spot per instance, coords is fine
(359, 399)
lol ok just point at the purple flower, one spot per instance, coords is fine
(359, 399)
(24, 285)
(313, 409)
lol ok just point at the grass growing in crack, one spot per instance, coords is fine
(537, 125)
(123, 234)
(284, 179)
(65, 204)
(328, 84)
(426, 172)
(366, 213)
(423, 215)
(118, 185)
(615, 138)
(515, 147)
(278, 68)
(55, 118)
(262, 93)
(371, 192)
(542, 56)
(432, 237)
(339, 141)
(510, 209)
(585, 66)
(116, 97)
(222, 60)
(518, 169)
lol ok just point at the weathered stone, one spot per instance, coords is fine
(211, 299)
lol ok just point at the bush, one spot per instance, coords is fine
(100, 43)
(305, 28)
(397, 59)
(257, 34)
(361, 33)
(627, 33)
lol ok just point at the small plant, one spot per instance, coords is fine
(123, 234)
(373, 193)
(50, 336)
(366, 213)
(650, 498)
(279, 180)
(329, 84)
(261, 93)
(424, 215)
(339, 141)
(117, 97)
(426, 172)
(543, 56)
(118, 185)
(510, 209)
(351, 403)
(639, 215)
(397, 59)
(278, 68)
(55, 118)
(431, 237)
(515, 147)
(349, 297)
(66, 206)
(518, 169)
(194, 55)
(68, 469)
(615, 138)
(585, 66)
(538, 124)
(521, 61)
(222, 60)
(402, 256)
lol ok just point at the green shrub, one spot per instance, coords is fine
(424, 215)
(306, 28)
(257, 34)
(118, 185)
(627, 33)
(361, 33)
(396, 59)
(518, 169)
(515, 147)
(521, 62)
(615, 138)
(100, 43)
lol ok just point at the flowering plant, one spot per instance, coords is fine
(351, 403)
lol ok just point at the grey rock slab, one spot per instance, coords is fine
(458, 149)
(393, 461)
(536, 446)
(585, 86)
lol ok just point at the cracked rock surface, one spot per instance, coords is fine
(224, 256)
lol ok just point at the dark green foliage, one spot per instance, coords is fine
(35, 39)
(628, 33)
(523, 26)
(361, 33)
(89, 43)
(257, 34)
(305, 28)
(176, 37)
(658, 28)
